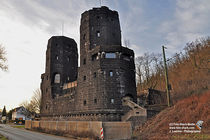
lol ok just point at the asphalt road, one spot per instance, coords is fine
(21, 134)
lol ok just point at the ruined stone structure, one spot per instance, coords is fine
(93, 91)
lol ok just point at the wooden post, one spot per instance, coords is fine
(166, 77)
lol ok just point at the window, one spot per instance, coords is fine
(84, 78)
(68, 59)
(84, 102)
(84, 36)
(57, 78)
(94, 75)
(110, 55)
(98, 33)
(111, 73)
(84, 61)
(112, 101)
(95, 101)
(68, 78)
(94, 57)
(56, 57)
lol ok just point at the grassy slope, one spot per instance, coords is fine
(2, 137)
(188, 110)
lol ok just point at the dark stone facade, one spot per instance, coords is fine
(153, 100)
(106, 74)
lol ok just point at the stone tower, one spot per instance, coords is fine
(61, 67)
(107, 70)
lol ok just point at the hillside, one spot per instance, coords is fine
(188, 110)
(188, 70)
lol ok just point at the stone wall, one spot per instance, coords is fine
(112, 130)
(105, 76)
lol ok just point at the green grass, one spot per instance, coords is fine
(18, 126)
(2, 137)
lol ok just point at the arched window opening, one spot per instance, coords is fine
(98, 33)
(84, 61)
(57, 78)
(95, 101)
(84, 78)
(94, 75)
(112, 101)
(111, 73)
(56, 57)
(84, 102)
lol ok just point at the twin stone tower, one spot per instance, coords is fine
(93, 91)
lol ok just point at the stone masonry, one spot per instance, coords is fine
(93, 91)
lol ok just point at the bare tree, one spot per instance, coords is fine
(147, 67)
(36, 100)
(3, 59)
(34, 104)
(139, 72)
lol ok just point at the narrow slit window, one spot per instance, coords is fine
(84, 36)
(112, 101)
(95, 75)
(98, 34)
(94, 57)
(56, 57)
(95, 101)
(111, 73)
(84, 102)
(84, 61)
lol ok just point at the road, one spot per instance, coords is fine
(21, 134)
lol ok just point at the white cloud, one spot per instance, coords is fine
(191, 21)
(25, 27)
(139, 51)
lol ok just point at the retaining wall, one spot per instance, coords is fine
(112, 130)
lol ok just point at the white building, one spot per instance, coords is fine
(20, 113)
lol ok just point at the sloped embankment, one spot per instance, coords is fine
(188, 110)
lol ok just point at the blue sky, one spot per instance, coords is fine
(26, 26)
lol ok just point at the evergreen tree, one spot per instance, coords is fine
(9, 114)
(4, 113)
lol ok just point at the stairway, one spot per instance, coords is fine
(136, 110)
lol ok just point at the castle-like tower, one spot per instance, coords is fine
(61, 67)
(106, 75)
(107, 70)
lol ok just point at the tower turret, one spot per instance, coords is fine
(107, 70)
(61, 67)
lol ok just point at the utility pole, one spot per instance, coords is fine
(166, 77)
